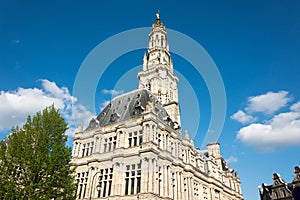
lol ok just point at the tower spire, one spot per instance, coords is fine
(157, 74)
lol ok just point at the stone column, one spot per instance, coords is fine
(155, 178)
(79, 149)
(178, 189)
(121, 179)
(150, 175)
(74, 153)
(117, 173)
(145, 135)
(144, 175)
(165, 180)
(89, 190)
(175, 186)
(190, 188)
(101, 145)
(181, 186)
(148, 133)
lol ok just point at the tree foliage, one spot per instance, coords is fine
(35, 161)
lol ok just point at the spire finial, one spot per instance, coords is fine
(158, 18)
(157, 15)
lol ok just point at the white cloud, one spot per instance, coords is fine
(268, 103)
(231, 159)
(113, 93)
(280, 131)
(295, 107)
(242, 117)
(16, 105)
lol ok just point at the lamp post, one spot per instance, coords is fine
(91, 189)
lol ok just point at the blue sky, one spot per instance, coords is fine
(255, 45)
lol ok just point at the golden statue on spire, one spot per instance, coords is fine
(158, 18)
(157, 15)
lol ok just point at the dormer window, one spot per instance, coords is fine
(138, 110)
(114, 117)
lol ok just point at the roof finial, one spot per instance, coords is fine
(158, 18)
(157, 15)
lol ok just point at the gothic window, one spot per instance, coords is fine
(87, 149)
(82, 179)
(133, 179)
(110, 144)
(135, 138)
(105, 182)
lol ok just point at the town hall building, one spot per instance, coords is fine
(135, 148)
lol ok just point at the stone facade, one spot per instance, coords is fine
(134, 149)
(281, 190)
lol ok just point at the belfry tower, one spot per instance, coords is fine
(157, 75)
(135, 150)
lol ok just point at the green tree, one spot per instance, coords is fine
(35, 161)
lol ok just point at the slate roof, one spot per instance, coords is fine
(128, 106)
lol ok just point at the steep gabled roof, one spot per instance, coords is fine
(128, 106)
